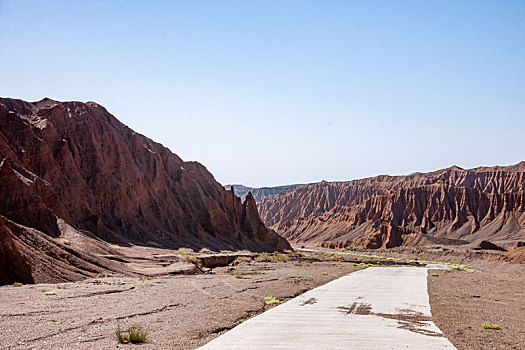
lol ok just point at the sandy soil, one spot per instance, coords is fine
(462, 301)
(186, 311)
(180, 312)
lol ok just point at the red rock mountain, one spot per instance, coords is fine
(73, 167)
(447, 206)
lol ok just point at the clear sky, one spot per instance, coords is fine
(277, 92)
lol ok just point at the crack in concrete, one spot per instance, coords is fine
(310, 301)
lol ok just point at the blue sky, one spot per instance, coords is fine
(278, 92)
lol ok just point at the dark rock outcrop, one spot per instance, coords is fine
(77, 163)
(449, 206)
(490, 246)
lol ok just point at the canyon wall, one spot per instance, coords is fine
(74, 165)
(449, 206)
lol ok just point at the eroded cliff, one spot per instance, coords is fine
(75, 163)
(447, 206)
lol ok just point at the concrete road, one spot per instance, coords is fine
(375, 308)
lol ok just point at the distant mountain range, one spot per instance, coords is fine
(449, 206)
(260, 193)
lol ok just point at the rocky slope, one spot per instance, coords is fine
(70, 172)
(260, 193)
(449, 206)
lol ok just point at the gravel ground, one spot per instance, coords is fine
(187, 311)
(462, 301)
(180, 312)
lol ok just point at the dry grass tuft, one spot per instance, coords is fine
(134, 334)
(275, 257)
(244, 258)
(190, 259)
(183, 251)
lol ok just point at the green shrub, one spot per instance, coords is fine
(307, 278)
(488, 325)
(272, 300)
(51, 292)
(121, 336)
(137, 334)
(325, 273)
(17, 284)
(134, 334)
(435, 275)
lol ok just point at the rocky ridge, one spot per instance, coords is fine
(449, 206)
(73, 177)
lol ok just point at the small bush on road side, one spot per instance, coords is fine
(488, 325)
(121, 337)
(134, 334)
(272, 300)
(137, 334)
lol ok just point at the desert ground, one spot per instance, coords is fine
(184, 306)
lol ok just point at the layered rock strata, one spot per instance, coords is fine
(449, 206)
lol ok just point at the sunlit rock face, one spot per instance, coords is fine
(449, 206)
(77, 163)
